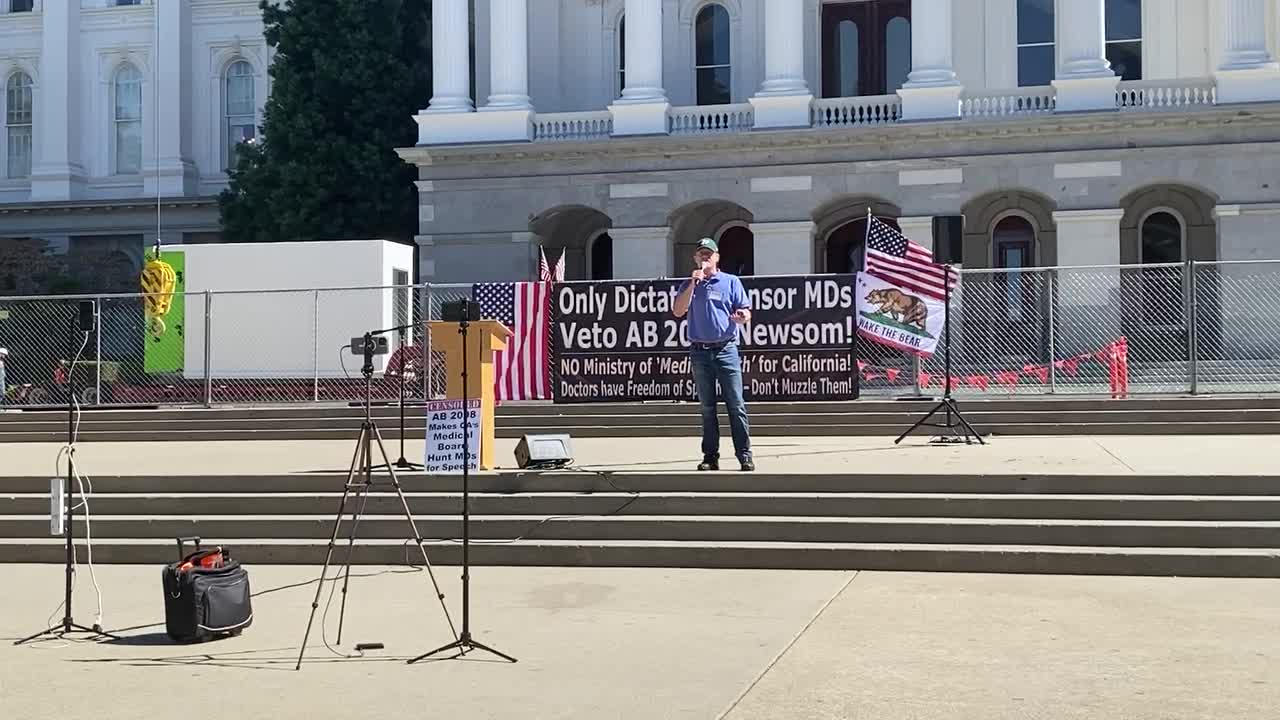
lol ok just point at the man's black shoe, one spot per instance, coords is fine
(709, 465)
(748, 465)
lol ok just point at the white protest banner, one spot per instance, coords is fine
(898, 318)
(444, 435)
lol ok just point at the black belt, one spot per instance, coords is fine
(711, 346)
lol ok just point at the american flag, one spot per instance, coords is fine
(523, 370)
(545, 274)
(893, 258)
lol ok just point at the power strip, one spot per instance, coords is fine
(57, 506)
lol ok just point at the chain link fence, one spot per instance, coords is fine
(1189, 328)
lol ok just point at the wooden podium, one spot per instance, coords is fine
(483, 338)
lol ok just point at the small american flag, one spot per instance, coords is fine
(893, 258)
(523, 370)
(545, 273)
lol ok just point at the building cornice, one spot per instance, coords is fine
(1108, 130)
(133, 204)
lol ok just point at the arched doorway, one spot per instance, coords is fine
(568, 229)
(722, 220)
(1170, 224)
(737, 251)
(845, 245)
(1011, 301)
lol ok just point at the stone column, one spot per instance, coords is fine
(918, 229)
(932, 90)
(1086, 297)
(783, 248)
(642, 109)
(509, 54)
(1247, 72)
(177, 174)
(57, 172)
(1085, 80)
(641, 253)
(450, 61)
(509, 113)
(784, 98)
(1227, 294)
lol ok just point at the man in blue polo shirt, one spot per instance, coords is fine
(717, 304)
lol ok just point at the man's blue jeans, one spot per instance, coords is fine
(723, 365)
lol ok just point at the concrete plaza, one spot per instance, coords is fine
(1206, 455)
(642, 644)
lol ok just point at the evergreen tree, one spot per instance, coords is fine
(347, 78)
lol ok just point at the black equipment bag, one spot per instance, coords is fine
(205, 600)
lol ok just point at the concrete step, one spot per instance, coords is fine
(236, 530)
(568, 481)
(759, 428)
(1045, 506)
(1038, 559)
(546, 423)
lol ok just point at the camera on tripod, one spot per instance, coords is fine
(369, 345)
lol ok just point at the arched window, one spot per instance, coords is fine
(711, 61)
(1013, 242)
(238, 111)
(18, 124)
(1161, 241)
(602, 257)
(622, 55)
(126, 118)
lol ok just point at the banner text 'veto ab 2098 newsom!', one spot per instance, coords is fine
(619, 341)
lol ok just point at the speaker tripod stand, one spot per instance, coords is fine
(465, 642)
(960, 429)
(360, 480)
(83, 326)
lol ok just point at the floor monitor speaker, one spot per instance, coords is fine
(544, 452)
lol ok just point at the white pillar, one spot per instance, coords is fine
(1247, 72)
(450, 61)
(57, 173)
(642, 253)
(508, 116)
(784, 98)
(509, 54)
(642, 109)
(1085, 80)
(932, 90)
(176, 174)
(918, 229)
(783, 248)
(1245, 232)
(1086, 297)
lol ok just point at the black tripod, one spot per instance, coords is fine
(465, 642)
(402, 463)
(361, 465)
(69, 625)
(960, 429)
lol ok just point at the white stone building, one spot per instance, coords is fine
(1007, 133)
(111, 104)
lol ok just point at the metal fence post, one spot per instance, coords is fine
(97, 350)
(1193, 334)
(208, 349)
(428, 360)
(1053, 332)
(315, 346)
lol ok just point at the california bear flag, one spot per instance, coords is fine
(900, 318)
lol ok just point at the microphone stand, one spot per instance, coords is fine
(403, 463)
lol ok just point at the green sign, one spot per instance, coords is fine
(165, 354)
